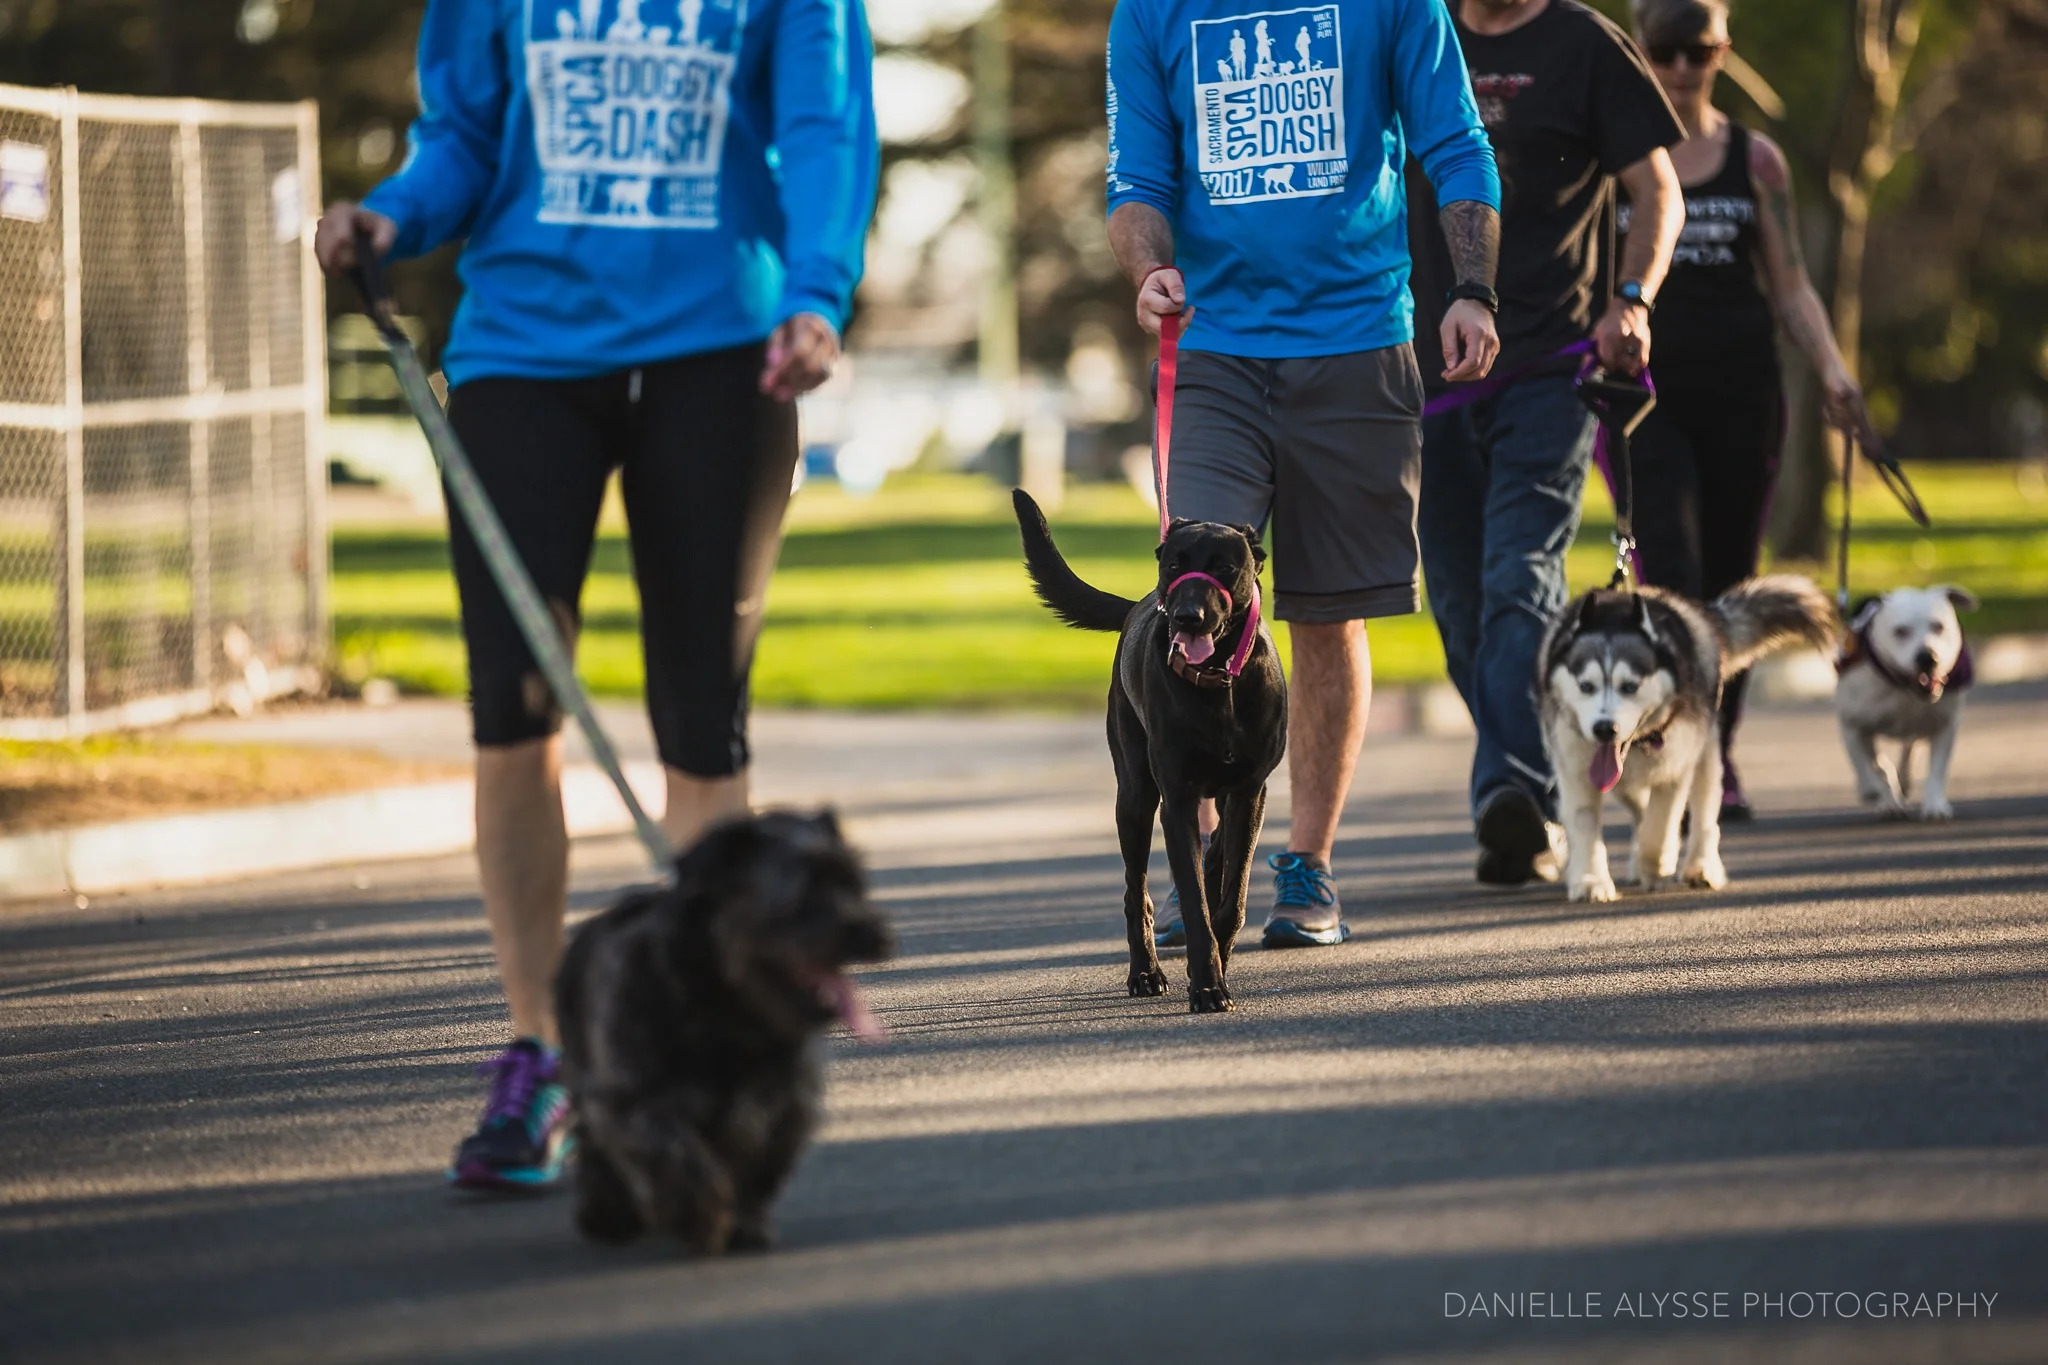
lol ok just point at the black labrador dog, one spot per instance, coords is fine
(1197, 708)
(690, 1021)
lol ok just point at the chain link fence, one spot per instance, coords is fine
(163, 546)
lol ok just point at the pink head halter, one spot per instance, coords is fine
(1251, 621)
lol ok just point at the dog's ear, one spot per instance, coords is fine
(1962, 599)
(827, 820)
(1251, 538)
(1643, 621)
(1865, 612)
(1587, 614)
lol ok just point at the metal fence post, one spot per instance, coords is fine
(259, 251)
(70, 690)
(198, 379)
(313, 314)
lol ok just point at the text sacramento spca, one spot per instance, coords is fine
(1720, 1303)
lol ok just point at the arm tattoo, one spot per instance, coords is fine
(1472, 231)
(1141, 238)
(1778, 199)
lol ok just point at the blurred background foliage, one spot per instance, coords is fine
(1926, 115)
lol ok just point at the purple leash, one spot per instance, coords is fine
(1610, 435)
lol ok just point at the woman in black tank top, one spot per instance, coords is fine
(1707, 456)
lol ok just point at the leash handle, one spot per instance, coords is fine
(373, 284)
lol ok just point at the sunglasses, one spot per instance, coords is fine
(1698, 54)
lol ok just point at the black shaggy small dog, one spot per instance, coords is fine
(691, 1020)
(1197, 708)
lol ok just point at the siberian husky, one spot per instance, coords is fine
(1903, 671)
(1630, 689)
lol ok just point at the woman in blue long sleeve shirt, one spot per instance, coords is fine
(664, 205)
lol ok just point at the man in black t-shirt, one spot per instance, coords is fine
(1571, 107)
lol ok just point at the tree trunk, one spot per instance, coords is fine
(1883, 35)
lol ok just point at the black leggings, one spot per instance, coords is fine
(706, 463)
(1705, 463)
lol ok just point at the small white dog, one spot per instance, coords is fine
(1902, 674)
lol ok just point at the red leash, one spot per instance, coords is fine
(1162, 438)
(1169, 362)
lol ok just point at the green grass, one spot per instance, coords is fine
(916, 597)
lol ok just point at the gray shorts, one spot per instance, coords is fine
(1329, 448)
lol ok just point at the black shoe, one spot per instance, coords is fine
(1512, 835)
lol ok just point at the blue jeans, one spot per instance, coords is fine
(1501, 482)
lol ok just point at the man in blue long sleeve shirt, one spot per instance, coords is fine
(1255, 181)
(665, 204)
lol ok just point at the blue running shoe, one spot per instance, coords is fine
(1169, 931)
(1303, 895)
(524, 1136)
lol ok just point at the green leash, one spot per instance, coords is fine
(535, 621)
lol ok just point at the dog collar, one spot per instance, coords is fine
(1858, 649)
(1209, 675)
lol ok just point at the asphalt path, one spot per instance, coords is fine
(1494, 1127)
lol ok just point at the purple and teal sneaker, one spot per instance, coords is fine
(524, 1137)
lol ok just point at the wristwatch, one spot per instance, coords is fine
(1478, 293)
(1631, 291)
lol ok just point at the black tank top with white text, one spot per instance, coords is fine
(1713, 327)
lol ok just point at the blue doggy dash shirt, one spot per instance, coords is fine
(637, 179)
(1273, 140)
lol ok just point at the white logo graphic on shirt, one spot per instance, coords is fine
(1269, 105)
(1713, 223)
(630, 100)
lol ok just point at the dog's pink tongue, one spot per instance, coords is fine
(1194, 648)
(853, 1011)
(1605, 769)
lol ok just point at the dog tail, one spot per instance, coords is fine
(1759, 616)
(1059, 587)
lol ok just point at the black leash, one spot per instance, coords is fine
(1894, 478)
(1620, 404)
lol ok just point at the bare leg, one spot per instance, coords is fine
(522, 850)
(697, 803)
(1329, 697)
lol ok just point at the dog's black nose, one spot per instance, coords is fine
(1187, 619)
(1603, 731)
(1924, 661)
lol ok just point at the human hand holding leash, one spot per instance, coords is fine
(1471, 341)
(1623, 337)
(801, 354)
(1162, 294)
(334, 240)
(1844, 409)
